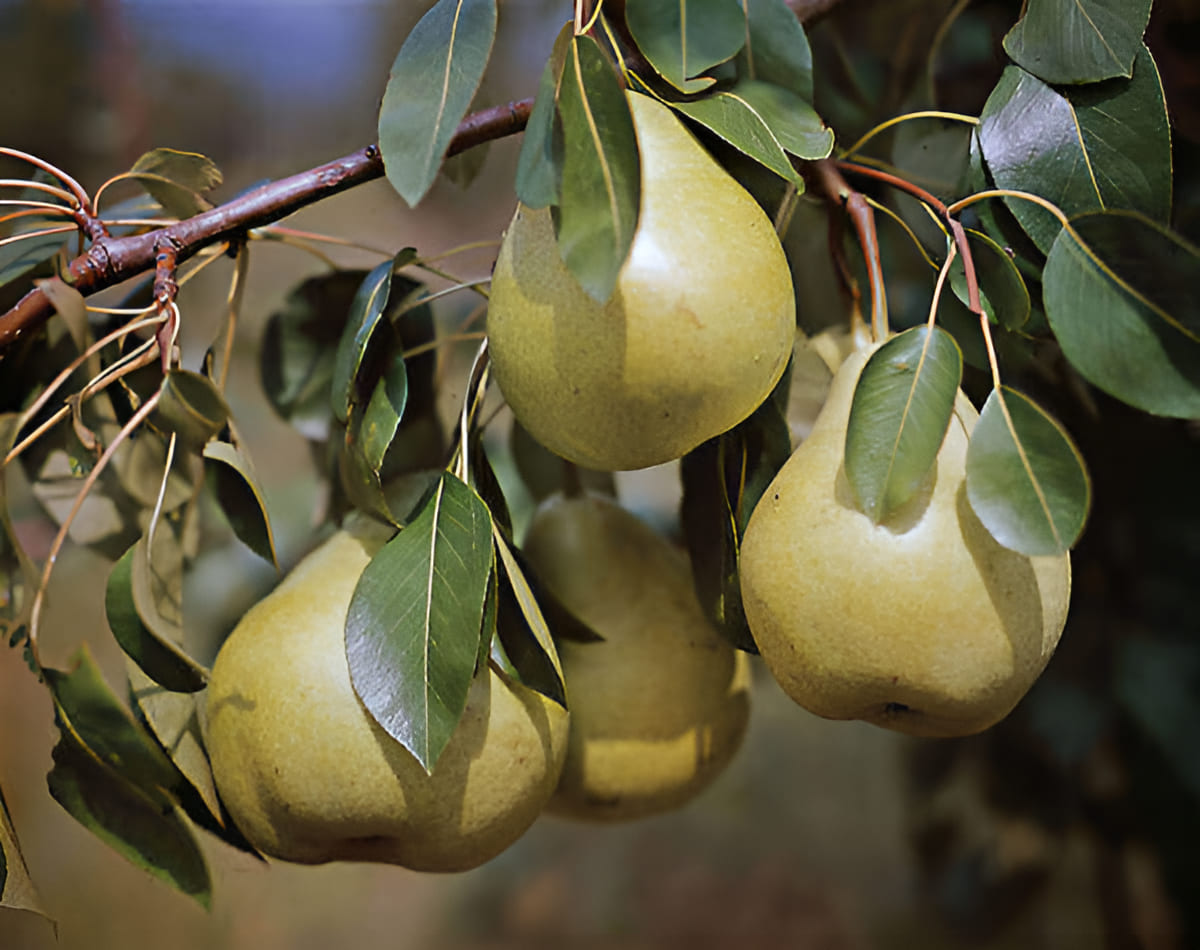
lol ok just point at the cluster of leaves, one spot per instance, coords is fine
(1078, 122)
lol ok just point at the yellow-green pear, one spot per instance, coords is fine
(309, 776)
(922, 623)
(693, 339)
(660, 707)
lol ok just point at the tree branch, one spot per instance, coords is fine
(110, 261)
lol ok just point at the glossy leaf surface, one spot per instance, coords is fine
(237, 491)
(1025, 479)
(898, 418)
(1078, 41)
(430, 87)
(412, 630)
(776, 48)
(601, 175)
(683, 38)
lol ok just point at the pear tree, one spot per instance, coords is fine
(719, 227)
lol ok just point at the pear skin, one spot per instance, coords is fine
(694, 338)
(309, 776)
(922, 623)
(660, 707)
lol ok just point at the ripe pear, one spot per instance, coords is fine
(660, 707)
(922, 623)
(693, 339)
(309, 776)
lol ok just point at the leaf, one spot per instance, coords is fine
(297, 354)
(601, 175)
(112, 778)
(432, 82)
(383, 413)
(543, 473)
(1002, 291)
(790, 118)
(162, 658)
(1078, 41)
(734, 119)
(16, 887)
(776, 48)
(177, 180)
(1101, 146)
(902, 406)
(1025, 479)
(366, 311)
(191, 407)
(413, 624)
(18, 575)
(147, 832)
(539, 166)
(522, 628)
(487, 485)
(69, 304)
(683, 38)
(236, 489)
(1120, 295)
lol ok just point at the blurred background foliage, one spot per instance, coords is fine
(1075, 823)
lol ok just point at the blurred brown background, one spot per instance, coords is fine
(1072, 825)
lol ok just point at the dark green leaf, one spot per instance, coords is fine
(601, 175)
(487, 628)
(776, 49)
(487, 485)
(902, 406)
(543, 473)
(18, 576)
(1120, 295)
(381, 417)
(522, 628)
(739, 123)
(69, 304)
(135, 823)
(1002, 290)
(539, 166)
(683, 38)
(236, 489)
(431, 85)
(412, 630)
(1078, 41)
(297, 355)
(163, 660)
(191, 407)
(366, 312)
(564, 624)
(1025, 479)
(1102, 146)
(790, 118)
(176, 180)
(16, 887)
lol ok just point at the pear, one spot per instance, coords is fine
(309, 776)
(922, 623)
(658, 708)
(693, 339)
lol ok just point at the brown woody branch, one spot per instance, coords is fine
(110, 260)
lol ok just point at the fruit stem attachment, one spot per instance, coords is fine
(835, 187)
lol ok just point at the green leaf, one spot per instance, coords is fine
(237, 491)
(16, 886)
(739, 123)
(146, 831)
(177, 180)
(433, 80)
(162, 658)
(1002, 290)
(776, 49)
(683, 38)
(1025, 479)
(601, 175)
(412, 630)
(366, 312)
(297, 355)
(1120, 295)
(539, 166)
(382, 415)
(543, 473)
(18, 576)
(1102, 146)
(115, 780)
(902, 406)
(191, 407)
(522, 628)
(1078, 41)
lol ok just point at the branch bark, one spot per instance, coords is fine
(110, 261)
